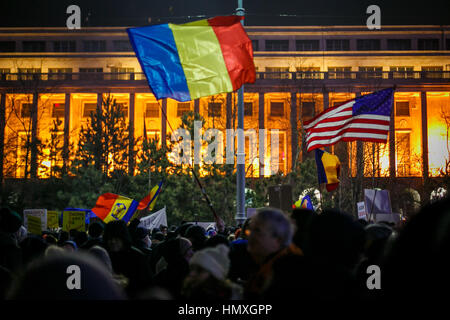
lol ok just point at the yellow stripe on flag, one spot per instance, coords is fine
(202, 59)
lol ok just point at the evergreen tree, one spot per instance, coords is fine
(104, 141)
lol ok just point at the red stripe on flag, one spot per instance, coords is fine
(104, 205)
(236, 48)
(354, 121)
(359, 130)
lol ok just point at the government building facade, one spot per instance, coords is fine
(55, 73)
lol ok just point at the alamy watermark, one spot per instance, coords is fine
(74, 280)
(74, 20)
(182, 150)
(374, 20)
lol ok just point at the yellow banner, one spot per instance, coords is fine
(34, 225)
(52, 219)
(74, 220)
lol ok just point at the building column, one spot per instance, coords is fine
(66, 132)
(2, 135)
(326, 105)
(425, 168)
(164, 122)
(229, 110)
(131, 135)
(294, 130)
(392, 166)
(34, 124)
(261, 125)
(97, 157)
(197, 106)
(358, 195)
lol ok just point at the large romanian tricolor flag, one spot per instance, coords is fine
(188, 61)
(111, 207)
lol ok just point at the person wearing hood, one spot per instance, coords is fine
(47, 278)
(126, 259)
(10, 252)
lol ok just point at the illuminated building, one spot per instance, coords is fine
(300, 71)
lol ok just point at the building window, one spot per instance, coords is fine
(402, 108)
(255, 45)
(64, 46)
(277, 45)
(368, 44)
(59, 73)
(27, 73)
(5, 74)
(370, 72)
(58, 110)
(123, 107)
(121, 73)
(338, 45)
(402, 72)
(33, 46)
(91, 73)
(428, 44)
(182, 108)
(122, 45)
(25, 111)
(277, 73)
(399, 44)
(152, 110)
(432, 72)
(94, 46)
(7, 46)
(307, 45)
(339, 72)
(154, 135)
(276, 109)
(308, 110)
(248, 109)
(89, 108)
(403, 152)
(447, 44)
(308, 73)
(214, 109)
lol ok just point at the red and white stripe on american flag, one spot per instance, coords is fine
(337, 123)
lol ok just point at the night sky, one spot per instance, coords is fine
(52, 13)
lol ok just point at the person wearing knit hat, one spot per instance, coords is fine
(207, 279)
(214, 260)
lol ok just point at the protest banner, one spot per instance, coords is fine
(39, 213)
(34, 225)
(74, 220)
(154, 220)
(52, 219)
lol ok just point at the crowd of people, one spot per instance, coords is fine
(303, 255)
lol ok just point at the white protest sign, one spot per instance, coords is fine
(154, 220)
(39, 213)
(361, 210)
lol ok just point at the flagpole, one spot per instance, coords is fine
(240, 155)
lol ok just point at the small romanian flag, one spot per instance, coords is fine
(150, 200)
(328, 168)
(110, 207)
(197, 59)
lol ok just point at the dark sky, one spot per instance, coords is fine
(52, 13)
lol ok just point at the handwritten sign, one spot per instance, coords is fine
(39, 213)
(34, 225)
(74, 220)
(52, 219)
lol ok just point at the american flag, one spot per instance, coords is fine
(365, 118)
